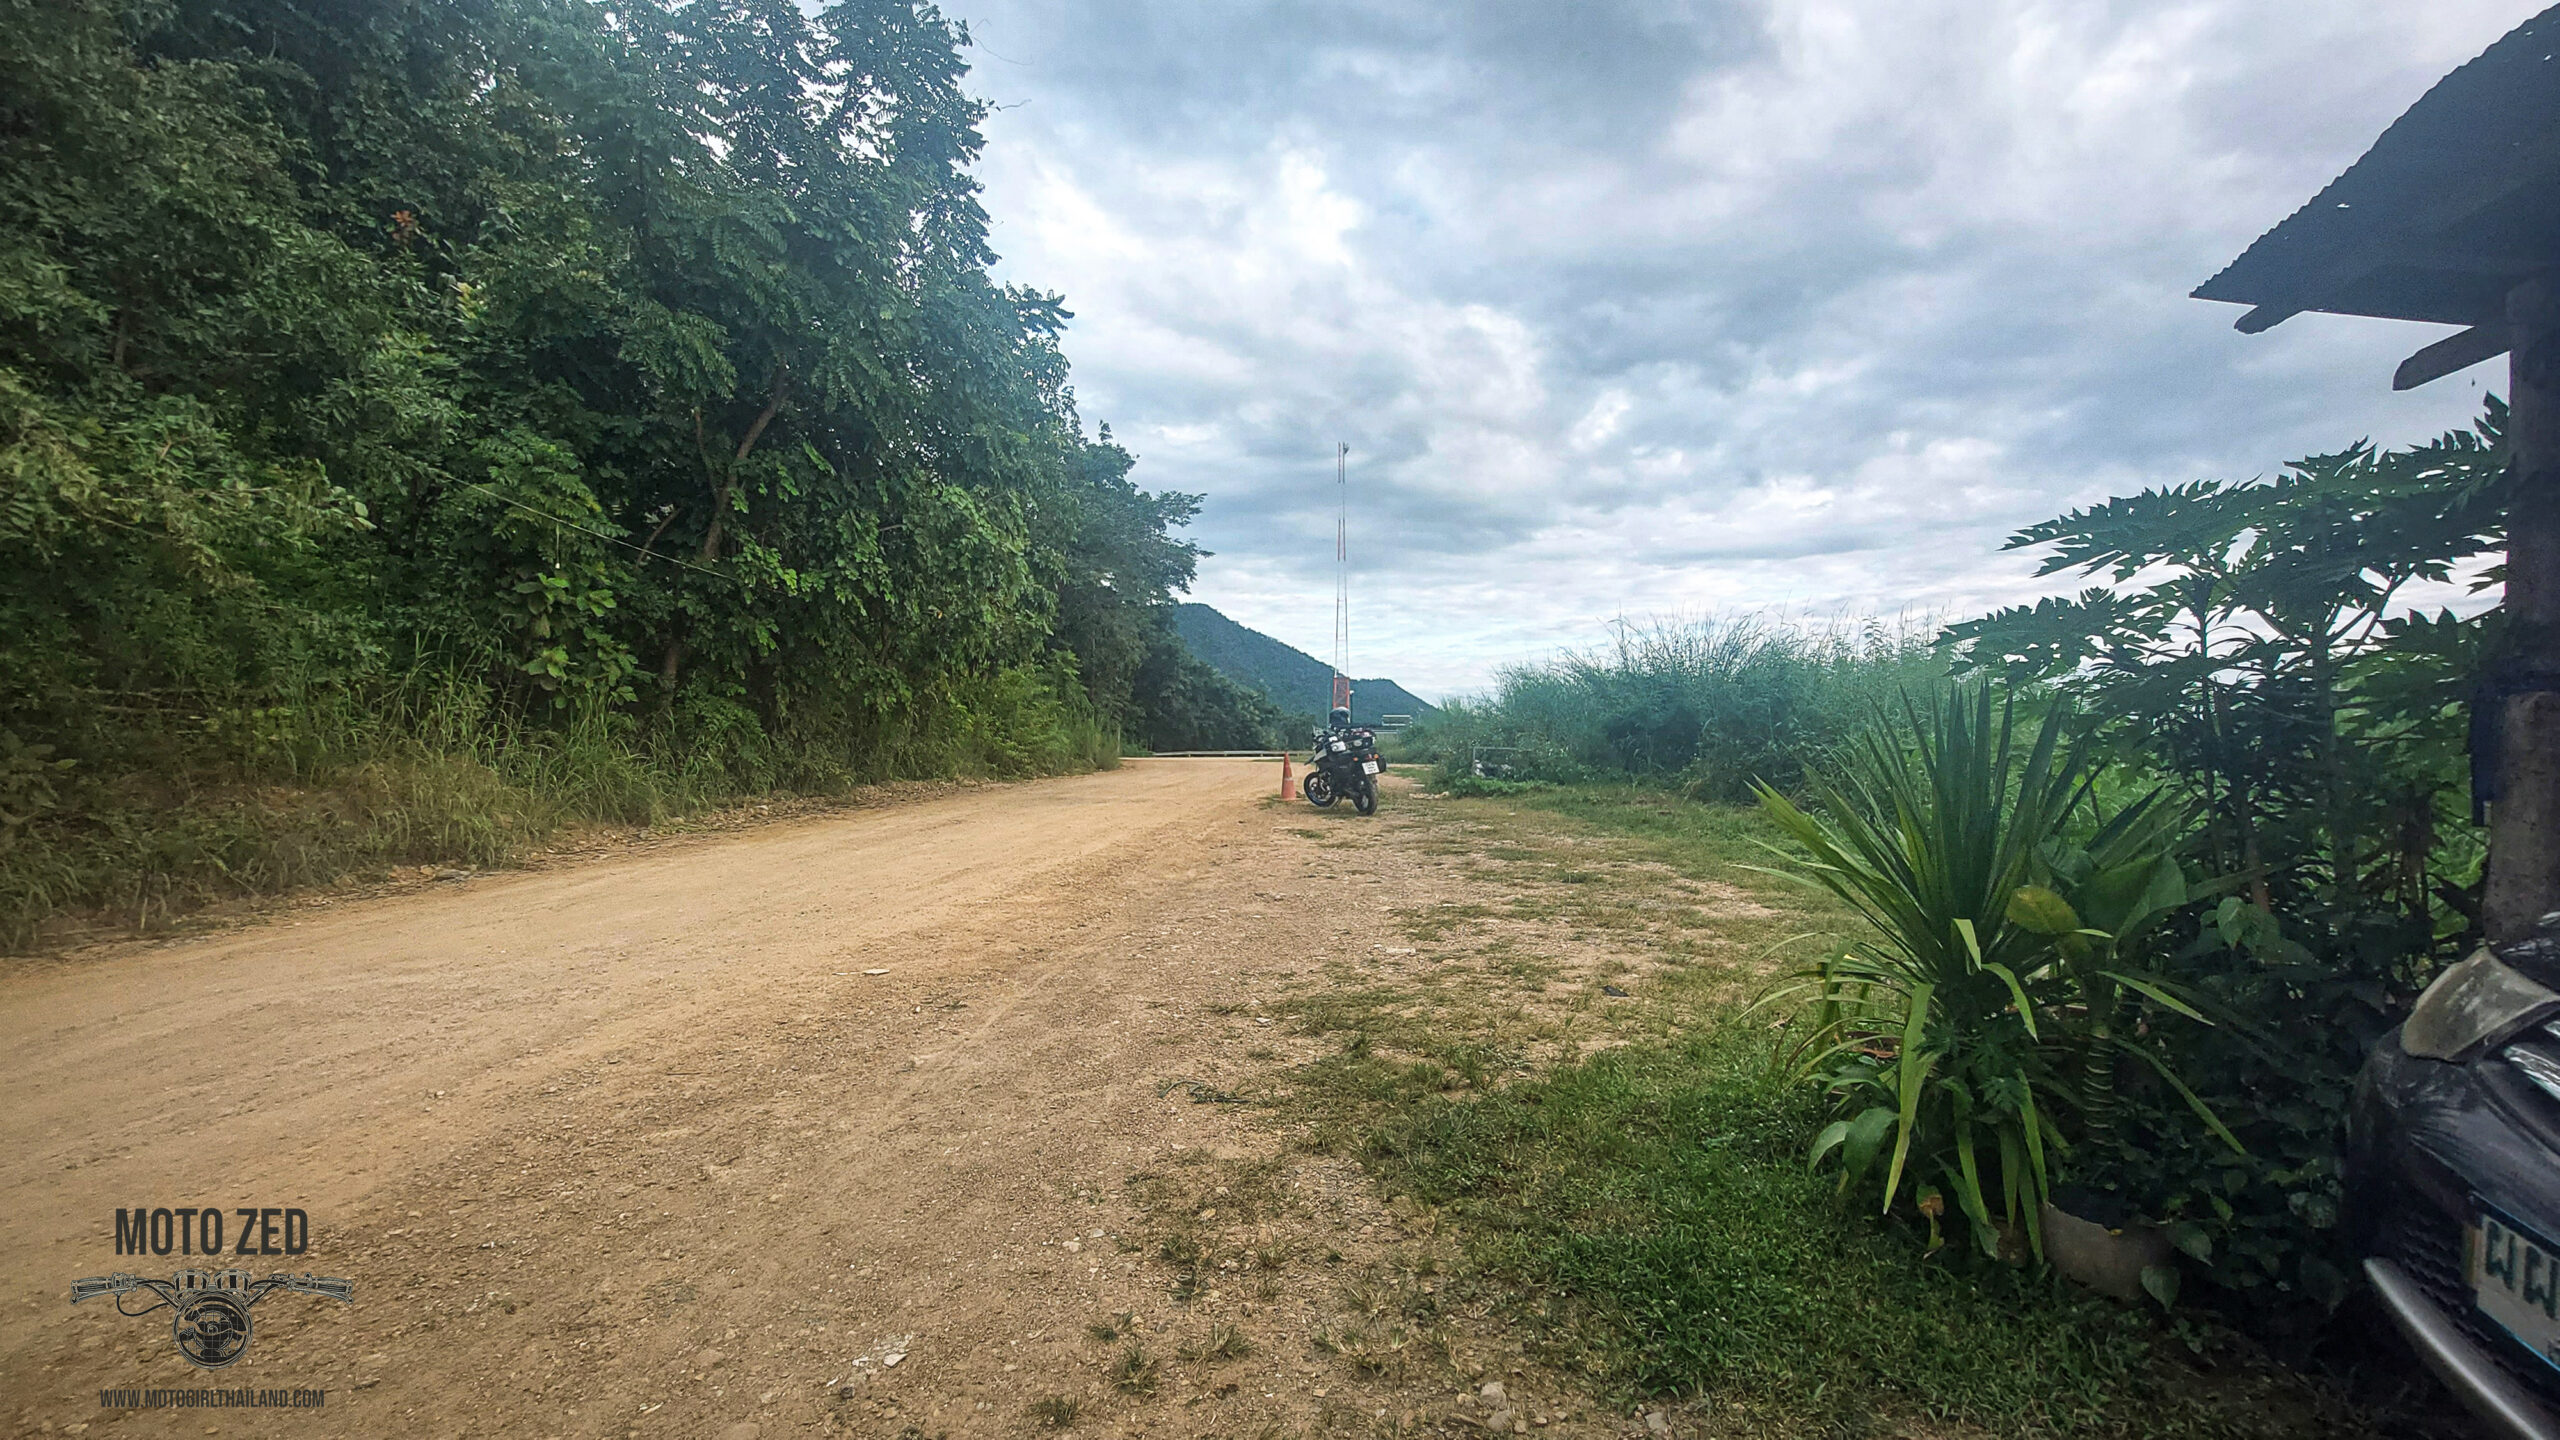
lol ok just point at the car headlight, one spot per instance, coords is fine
(2476, 1003)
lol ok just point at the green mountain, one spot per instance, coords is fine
(1296, 681)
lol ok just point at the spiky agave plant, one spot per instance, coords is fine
(1985, 1003)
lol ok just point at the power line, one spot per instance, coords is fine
(640, 550)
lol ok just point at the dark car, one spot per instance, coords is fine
(2454, 1181)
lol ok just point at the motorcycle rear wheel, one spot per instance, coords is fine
(1365, 799)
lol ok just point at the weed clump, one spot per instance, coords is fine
(1134, 1373)
(1224, 1342)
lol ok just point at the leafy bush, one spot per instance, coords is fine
(1974, 1039)
(2253, 651)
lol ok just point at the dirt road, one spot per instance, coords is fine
(841, 1124)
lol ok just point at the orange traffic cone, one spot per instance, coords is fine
(1284, 774)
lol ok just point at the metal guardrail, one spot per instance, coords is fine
(1209, 755)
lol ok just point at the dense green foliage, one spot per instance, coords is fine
(1972, 1042)
(1709, 705)
(610, 402)
(1187, 704)
(2245, 655)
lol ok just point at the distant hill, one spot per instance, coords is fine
(1296, 681)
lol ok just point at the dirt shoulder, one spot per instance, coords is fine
(645, 1146)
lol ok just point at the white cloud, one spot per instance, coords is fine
(1648, 306)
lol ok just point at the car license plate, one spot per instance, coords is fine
(2515, 1280)
(1368, 767)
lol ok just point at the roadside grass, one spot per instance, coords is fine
(1564, 1080)
(162, 817)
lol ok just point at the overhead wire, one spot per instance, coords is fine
(640, 550)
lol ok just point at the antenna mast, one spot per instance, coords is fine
(1342, 578)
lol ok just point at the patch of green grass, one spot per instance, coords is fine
(1367, 1012)
(1378, 1350)
(1697, 839)
(1657, 1196)
(1440, 921)
(1650, 1204)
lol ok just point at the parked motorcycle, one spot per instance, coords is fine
(1345, 762)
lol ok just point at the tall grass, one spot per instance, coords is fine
(1712, 704)
(170, 809)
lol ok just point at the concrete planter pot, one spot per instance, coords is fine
(2110, 1262)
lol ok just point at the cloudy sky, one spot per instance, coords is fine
(1640, 307)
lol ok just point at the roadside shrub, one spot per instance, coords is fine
(2250, 648)
(429, 767)
(1973, 1041)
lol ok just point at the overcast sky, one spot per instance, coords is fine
(1645, 307)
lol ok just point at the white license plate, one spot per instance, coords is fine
(1368, 767)
(2515, 1280)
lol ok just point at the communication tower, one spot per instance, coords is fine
(1342, 577)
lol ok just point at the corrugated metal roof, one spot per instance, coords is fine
(2453, 206)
